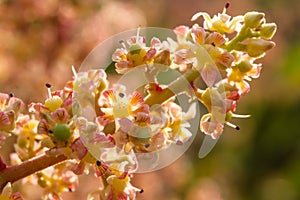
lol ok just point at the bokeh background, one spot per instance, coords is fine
(41, 40)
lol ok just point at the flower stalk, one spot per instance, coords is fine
(13, 173)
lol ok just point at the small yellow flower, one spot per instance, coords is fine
(221, 23)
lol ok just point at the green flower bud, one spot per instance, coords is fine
(228, 116)
(61, 132)
(254, 19)
(244, 66)
(268, 30)
(256, 47)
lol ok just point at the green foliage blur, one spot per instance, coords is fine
(41, 40)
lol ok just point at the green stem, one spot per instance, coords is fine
(17, 172)
(241, 36)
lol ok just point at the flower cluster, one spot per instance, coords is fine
(97, 124)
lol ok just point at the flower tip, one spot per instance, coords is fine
(196, 16)
(232, 126)
(48, 85)
(98, 163)
(227, 5)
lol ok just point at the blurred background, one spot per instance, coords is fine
(41, 40)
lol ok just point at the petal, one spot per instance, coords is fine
(60, 115)
(149, 54)
(4, 120)
(198, 34)
(110, 95)
(136, 99)
(199, 14)
(225, 59)
(216, 38)
(181, 31)
(209, 74)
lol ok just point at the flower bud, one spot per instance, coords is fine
(256, 47)
(61, 132)
(268, 30)
(254, 19)
(53, 103)
(244, 66)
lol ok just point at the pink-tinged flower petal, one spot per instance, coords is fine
(225, 59)
(79, 168)
(60, 115)
(4, 120)
(255, 71)
(3, 98)
(244, 87)
(43, 127)
(136, 99)
(142, 117)
(79, 148)
(209, 74)
(125, 125)
(15, 104)
(157, 141)
(155, 42)
(216, 39)
(110, 95)
(104, 120)
(213, 129)
(183, 56)
(181, 31)
(103, 141)
(150, 54)
(58, 93)
(37, 108)
(198, 34)
(67, 103)
(119, 54)
(122, 66)
(133, 40)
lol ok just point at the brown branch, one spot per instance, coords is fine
(17, 172)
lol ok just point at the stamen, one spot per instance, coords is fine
(213, 44)
(226, 7)
(232, 125)
(98, 163)
(137, 34)
(74, 72)
(122, 42)
(11, 95)
(121, 94)
(141, 191)
(50, 131)
(147, 145)
(227, 4)
(240, 116)
(48, 85)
